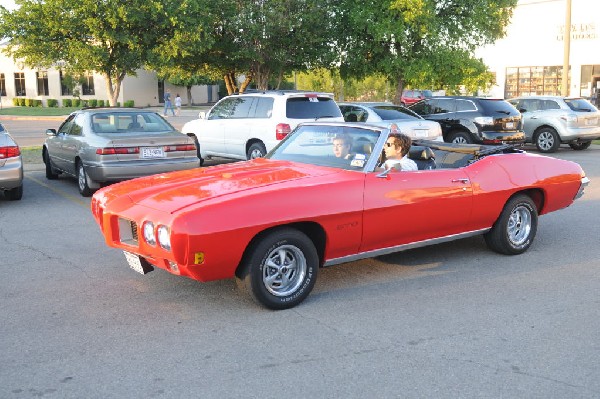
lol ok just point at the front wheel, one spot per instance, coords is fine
(256, 150)
(580, 145)
(515, 229)
(50, 173)
(280, 269)
(547, 140)
(14, 194)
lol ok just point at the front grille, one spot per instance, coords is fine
(128, 233)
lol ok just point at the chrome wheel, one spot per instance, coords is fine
(459, 140)
(82, 178)
(546, 141)
(284, 270)
(256, 153)
(519, 225)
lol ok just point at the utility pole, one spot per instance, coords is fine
(565, 87)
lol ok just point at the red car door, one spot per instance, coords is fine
(409, 207)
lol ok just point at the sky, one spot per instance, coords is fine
(10, 4)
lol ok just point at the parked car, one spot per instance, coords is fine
(407, 121)
(473, 119)
(549, 121)
(11, 167)
(247, 126)
(103, 145)
(410, 97)
(273, 222)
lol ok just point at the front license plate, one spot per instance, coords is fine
(510, 125)
(152, 152)
(134, 262)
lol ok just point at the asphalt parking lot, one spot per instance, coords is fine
(449, 321)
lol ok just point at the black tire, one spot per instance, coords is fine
(256, 150)
(50, 173)
(460, 138)
(547, 140)
(580, 145)
(515, 229)
(82, 181)
(14, 194)
(271, 283)
(197, 144)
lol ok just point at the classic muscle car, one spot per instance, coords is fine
(273, 222)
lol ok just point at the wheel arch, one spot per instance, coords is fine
(537, 195)
(314, 231)
(253, 141)
(544, 126)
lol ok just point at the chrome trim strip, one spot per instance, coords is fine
(403, 247)
(584, 183)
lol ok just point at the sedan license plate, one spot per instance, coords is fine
(134, 262)
(152, 152)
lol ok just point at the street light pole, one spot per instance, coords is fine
(567, 49)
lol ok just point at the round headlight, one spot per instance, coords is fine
(148, 231)
(164, 237)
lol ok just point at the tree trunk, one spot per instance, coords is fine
(113, 89)
(230, 82)
(398, 95)
(246, 82)
(190, 100)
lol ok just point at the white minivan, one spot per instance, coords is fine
(247, 126)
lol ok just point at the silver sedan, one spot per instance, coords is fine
(11, 167)
(384, 114)
(103, 145)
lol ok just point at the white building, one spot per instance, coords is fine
(145, 89)
(529, 60)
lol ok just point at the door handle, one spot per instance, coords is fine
(464, 181)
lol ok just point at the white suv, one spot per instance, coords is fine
(246, 126)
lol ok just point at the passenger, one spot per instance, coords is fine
(396, 149)
(342, 143)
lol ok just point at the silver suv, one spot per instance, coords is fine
(247, 126)
(549, 121)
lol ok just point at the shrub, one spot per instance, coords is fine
(77, 102)
(101, 103)
(38, 103)
(22, 102)
(52, 103)
(93, 103)
(85, 103)
(129, 104)
(28, 102)
(118, 103)
(16, 101)
(67, 102)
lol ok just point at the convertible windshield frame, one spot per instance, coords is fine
(312, 143)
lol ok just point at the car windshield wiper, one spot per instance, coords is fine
(324, 116)
(503, 112)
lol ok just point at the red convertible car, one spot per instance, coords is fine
(273, 222)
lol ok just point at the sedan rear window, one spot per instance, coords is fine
(311, 108)
(496, 106)
(121, 122)
(580, 104)
(389, 113)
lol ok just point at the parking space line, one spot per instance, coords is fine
(70, 197)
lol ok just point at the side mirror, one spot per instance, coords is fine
(202, 115)
(50, 132)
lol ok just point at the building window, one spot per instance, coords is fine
(87, 87)
(2, 85)
(533, 81)
(42, 83)
(20, 84)
(66, 84)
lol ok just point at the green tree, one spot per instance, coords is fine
(427, 43)
(111, 37)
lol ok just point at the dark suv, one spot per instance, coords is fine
(473, 119)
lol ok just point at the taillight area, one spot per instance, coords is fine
(181, 147)
(9, 152)
(282, 130)
(118, 150)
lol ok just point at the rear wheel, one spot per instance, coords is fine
(547, 140)
(197, 144)
(460, 138)
(515, 229)
(256, 150)
(82, 181)
(279, 269)
(14, 194)
(580, 145)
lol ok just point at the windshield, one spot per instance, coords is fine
(391, 112)
(328, 145)
(312, 107)
(121, 122)
(497, 106)
(580, 104)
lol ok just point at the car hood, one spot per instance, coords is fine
(171, 192)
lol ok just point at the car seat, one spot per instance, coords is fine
(351, 118)
(423, 156)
